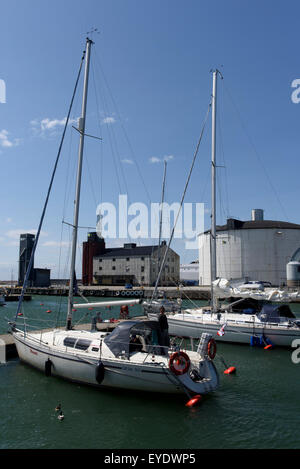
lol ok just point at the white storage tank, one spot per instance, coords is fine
(256, 250)
(257, 214)
(293, 274)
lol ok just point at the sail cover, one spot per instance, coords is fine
(118, 341)
(223, 289)
(273, 313)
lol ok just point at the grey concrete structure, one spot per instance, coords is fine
(26, 246)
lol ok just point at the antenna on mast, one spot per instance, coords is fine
(93, 31)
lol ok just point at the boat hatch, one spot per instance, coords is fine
(80, 344)
(70, 341)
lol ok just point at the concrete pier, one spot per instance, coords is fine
(193, 293)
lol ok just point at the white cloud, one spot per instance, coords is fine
(108, 120)
(168, 158)
(56, 243)
(49, 125)
(154, 159)
(5, 141)
(126, 161)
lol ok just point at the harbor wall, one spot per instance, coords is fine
(193, 293)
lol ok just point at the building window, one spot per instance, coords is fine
(113, 268)
(100, 260)
(142, 278)
(142, 258)
(142, 269)
(114, 260)
(100, 268)
(127, 259)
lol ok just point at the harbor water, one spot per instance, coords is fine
(258, 407)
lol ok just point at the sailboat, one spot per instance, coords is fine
(133, 356)
(250, 318)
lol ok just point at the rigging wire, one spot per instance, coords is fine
(98, 122)
(181, 202)
(67, 192)
(123, 127)
(48, 193)
(220, 120)
(111, 133)
(220, 183)
(256, 152)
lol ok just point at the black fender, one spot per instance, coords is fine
(99, 372)
(48, 367)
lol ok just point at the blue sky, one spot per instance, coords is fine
(156, 57)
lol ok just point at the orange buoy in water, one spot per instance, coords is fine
(195, 400)
(41, 304)
(20, 314)
(230, 370)
(90, 309)
(74, 309)
(267, 347)
(49, 311)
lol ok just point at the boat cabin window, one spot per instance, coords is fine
(95, 349)
(83, 344)
(69, 341)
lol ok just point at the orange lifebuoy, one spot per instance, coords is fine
(211, 349)
(179, 363)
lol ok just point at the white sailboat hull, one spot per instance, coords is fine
(235, 332)
(123, 374)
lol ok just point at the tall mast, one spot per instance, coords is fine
(213, 256)
(160, 223)
(81, 129)
(162, 202)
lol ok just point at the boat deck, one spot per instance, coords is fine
(11, 351)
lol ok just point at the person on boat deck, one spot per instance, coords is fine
(96, 319)
(164, 328)
(135, 344)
